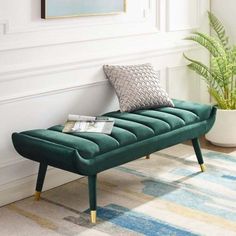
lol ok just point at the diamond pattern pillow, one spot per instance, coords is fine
(137, 87)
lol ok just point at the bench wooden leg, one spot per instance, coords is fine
(40, 180)
(198, 152)
(92, 197)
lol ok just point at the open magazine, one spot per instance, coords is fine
(99, 124)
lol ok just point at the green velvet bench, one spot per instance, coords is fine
(134, 135)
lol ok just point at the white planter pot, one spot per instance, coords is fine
(223, 132)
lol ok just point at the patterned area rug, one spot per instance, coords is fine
(166, 195)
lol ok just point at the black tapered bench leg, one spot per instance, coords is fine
(198, 152)
(92, 197)
(40, 180)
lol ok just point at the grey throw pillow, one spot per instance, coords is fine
(137, 87)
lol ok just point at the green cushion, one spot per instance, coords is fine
(134, 135)
(173, 121)
(203, 111)
(187, 116)
(156, 125)
(140, 131)
(84, 146)
(119, 137)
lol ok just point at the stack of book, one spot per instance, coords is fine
(97, 124)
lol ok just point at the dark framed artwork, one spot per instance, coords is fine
(72, 8)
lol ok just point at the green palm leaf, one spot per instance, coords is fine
(218, 98)
(199, 67)
(219, 29)
(221, 76)
(208, 42)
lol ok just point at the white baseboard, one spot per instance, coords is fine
(25, 187)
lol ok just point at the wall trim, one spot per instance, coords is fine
(5, 24)
(36, 70)
(202, 96)
(43, 93)
(55, 68)
(55, 24)
(158, 13)
(24, 187)
(186, 27)
(10, 45)
(11, 162)
(168, 79)
(170, 69)
(57, 31)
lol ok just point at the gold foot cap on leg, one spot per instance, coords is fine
(203, 168)
(148, 157)
(37, 196)
(93, 215)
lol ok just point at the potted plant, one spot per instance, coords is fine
(220, 78)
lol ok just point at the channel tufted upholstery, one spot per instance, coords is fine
(134, 135)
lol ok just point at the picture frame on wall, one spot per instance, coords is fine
(52, 9)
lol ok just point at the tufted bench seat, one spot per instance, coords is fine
(134, 135)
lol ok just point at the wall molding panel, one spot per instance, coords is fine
(57, 32)
(147, 13)
(190, 83)
(13, 78)
(52, 68)
(43, 93)
(14, 72)
(182, 18)
(4, 26)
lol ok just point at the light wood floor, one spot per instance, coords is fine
(207, 145)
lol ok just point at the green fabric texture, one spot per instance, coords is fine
(173, 121)
(139, 130)
(85, 147)
(135, 135)
(157, 126)
(201, 110)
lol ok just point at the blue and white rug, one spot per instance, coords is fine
(166, 195)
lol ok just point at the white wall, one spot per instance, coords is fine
(226, 13)
(49, 68)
